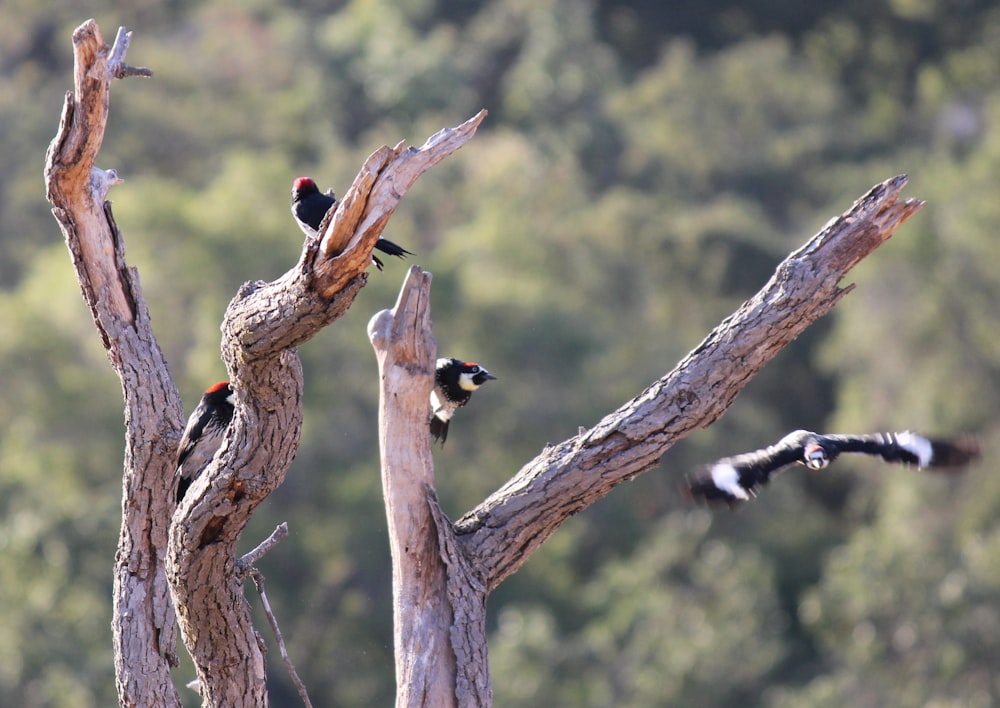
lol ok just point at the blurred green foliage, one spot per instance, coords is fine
(644, 167)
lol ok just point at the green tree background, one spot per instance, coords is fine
(644, 167)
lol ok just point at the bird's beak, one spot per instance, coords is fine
(490, 376)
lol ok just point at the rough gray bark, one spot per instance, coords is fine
(443, 572)
(501, 533)
(188, 555)
(143, 620)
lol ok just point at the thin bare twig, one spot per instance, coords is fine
(246, 562)
(258, 580)
(117, 67)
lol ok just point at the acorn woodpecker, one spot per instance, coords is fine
(454, 382)
(309, 206)
(203, 435)
(734, 480)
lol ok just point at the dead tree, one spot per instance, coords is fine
(443, 572)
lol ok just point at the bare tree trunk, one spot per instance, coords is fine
(189, 555)
(442, 573)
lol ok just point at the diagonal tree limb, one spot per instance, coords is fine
(386, 176)
(503, 531)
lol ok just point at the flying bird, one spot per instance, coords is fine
(454, 382)
(203, 434)
(309, 206)
(734, 480)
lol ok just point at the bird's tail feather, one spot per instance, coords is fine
(439, 429)
(392, 249)
(954, 453)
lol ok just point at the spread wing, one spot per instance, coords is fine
(911, 449)
(734, 480)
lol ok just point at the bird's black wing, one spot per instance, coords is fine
(734, 480)
(954, 452)
(910, 449)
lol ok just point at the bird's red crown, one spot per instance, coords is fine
(304, 183)
(215, 388)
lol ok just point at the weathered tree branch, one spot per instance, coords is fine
(247, 561)
(439, 604)
(470, 558)
(442, 573)
(405, 350)
(502, 532)
(258, 581)
(143, 621)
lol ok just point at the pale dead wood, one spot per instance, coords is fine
(439, 606)
(258, 581)
(422, 617)
(248, 560)
(263, 325)
(369, 203)
(441, 573)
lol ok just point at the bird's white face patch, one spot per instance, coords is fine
(919, 446)
(465, 379)
(726, 478)
(816, 458)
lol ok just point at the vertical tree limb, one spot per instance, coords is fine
(143, 617)
(439, 603)
(405, 350)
